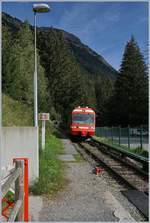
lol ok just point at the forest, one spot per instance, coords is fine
(71, 74)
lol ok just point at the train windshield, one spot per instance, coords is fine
(83, 118)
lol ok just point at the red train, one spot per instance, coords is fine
(83, 122)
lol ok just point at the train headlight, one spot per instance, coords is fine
(92, 127)
(73, 127)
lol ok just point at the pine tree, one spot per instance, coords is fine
(103, 89)
(6, 45)
(65, 80)
(19, 69)
(131, 88)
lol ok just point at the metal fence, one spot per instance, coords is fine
(17, 177)
(130, 137)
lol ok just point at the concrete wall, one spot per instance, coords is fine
(21, 142)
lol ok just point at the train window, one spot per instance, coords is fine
(83, 118)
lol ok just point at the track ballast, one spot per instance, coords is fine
(126, 171)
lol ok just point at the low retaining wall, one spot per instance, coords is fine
(20, 142)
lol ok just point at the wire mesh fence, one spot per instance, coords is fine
(130, 137)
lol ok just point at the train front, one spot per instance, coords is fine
(83, 122)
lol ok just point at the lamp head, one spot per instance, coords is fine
(41, 8)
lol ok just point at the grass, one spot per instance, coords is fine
(15, 113)
(78, 158)
(140, 151)
(51, 173)
(137, 150)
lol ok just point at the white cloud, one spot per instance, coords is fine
(86, 20)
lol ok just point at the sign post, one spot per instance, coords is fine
(44, 117)
(43, 134)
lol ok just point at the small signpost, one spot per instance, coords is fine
(44, 117)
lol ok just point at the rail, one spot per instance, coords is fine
(19, 177)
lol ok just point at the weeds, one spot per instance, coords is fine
(51, 172)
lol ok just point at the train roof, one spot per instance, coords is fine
(83, 109)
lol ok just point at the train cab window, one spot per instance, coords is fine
(83, 118)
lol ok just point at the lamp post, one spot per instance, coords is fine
(37, 8)
(0, 118)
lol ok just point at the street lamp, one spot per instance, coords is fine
(37, 8)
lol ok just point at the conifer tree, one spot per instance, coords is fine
(103, 90)
(19, 69)
(65, 81)
(6, 45)
(131, 88)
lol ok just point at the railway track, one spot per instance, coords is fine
(122, 168)
(131, 173)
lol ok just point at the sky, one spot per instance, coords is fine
(104, 27)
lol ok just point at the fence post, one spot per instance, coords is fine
(112, 133)
(119, 134)
(25, 189)
(141, 136)
(19, 189)
(128, 136)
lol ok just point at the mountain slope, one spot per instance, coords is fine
(89, 60)
(74, 74)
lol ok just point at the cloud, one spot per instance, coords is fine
(143, 19)
(88, 20)
(105, 27)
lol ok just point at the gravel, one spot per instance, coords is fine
(115, 188)
(87, 196)
(81, 201)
